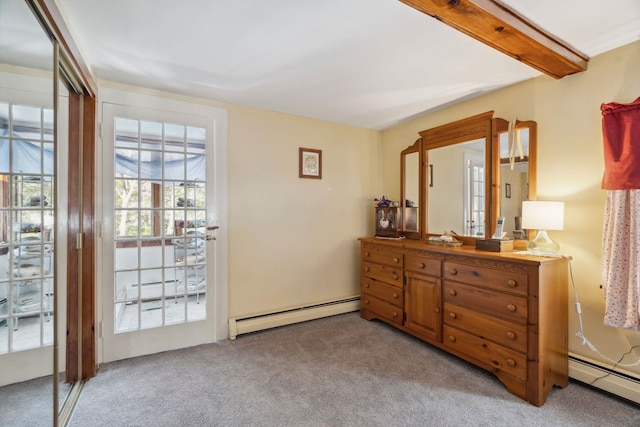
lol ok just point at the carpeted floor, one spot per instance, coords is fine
(338, 371)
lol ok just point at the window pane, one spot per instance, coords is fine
(196, 140)
(47, 116)
(175, 311)
(126, 223)
(26, 157)
(126, 131)
(126, 318)
(174, 134)
(151, 135)
(4, 154)
(26, 122)
(196, 166)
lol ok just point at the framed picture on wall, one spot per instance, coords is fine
(507, 190)
(310, 163)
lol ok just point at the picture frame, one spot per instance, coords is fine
(310, 163)
(507, 190)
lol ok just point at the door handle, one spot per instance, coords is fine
(212, 228)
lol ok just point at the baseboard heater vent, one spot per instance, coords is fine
(238, 326)
(614, 382)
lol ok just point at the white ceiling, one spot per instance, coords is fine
(368, 63)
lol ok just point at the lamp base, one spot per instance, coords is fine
(542, 244)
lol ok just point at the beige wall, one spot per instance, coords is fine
(293, 241)
(570, 167)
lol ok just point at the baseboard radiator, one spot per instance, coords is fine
(244, 325)
(625, 386)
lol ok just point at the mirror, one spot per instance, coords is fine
(27, 301)
(515, 178)
(411, 201)
(451, 169)
(467, 179)
(456, 175)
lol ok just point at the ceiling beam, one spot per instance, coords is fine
(500, 27)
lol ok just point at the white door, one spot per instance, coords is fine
(161, 217)
(474, 194)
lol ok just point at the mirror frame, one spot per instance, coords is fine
(468, 129)
(502, 126)
(415, 148)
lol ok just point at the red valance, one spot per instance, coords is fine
(621, 135)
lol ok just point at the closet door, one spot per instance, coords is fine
(28, 212)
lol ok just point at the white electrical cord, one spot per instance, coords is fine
(580, 333)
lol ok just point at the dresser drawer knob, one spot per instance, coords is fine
(422, 265)
(437, 310)
(452, 315)
(511, 362)
(395, 276)
(396, 260)
(453, 292)
(394, 314)
(512, 283)
(511, 307)
(511, 335)
(367, 253)
(453, 272)
(395, 295)
(367, 269)
(452, 338)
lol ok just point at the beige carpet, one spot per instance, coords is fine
(338, 371)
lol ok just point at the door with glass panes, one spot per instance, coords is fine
(27, 234)
(159, 231)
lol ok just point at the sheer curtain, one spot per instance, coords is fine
(621, 233)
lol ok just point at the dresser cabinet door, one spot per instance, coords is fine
(422, 305)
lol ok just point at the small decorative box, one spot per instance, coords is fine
(494, 245)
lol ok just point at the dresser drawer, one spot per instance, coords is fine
(501, 279)
(501, 331)
(381, 308)
(507, 306)
(384, 273)
(493, 355)
(383, 257)
(391, 294)
(422, 265)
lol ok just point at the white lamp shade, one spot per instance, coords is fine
(542, 215)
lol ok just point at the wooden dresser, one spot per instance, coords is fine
(504, 312)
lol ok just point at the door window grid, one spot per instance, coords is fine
(474, 202)
(26, 227)
(159, 216)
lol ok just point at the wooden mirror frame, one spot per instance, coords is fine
(471, 128)
(502, 126)
(481, 125)
(415, 148)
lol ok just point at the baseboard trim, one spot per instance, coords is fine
(238, 326)
(604, 378)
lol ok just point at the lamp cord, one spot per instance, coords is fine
(585, 341)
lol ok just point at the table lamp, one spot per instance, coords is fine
(542, 216)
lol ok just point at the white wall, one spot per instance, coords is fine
(570, 168)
